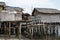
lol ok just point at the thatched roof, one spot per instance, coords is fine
(47, 10)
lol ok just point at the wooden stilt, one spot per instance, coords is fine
(57, 32)
(5, 30)
(49, 31)
(0, 24)
(46, 32)
(20, 32)
(32, 33)
(5, 27)
(9, 28)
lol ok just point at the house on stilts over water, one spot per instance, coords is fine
(10, 20)
(46, 21)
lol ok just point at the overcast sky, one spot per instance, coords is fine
(28, 5)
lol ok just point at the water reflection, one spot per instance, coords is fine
(49, 32)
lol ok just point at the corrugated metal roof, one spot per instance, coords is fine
(47, 10)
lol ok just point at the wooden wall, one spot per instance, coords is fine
(10, 16)
(48, 18)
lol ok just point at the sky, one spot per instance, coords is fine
(29, 5)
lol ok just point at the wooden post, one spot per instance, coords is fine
(4, 27)
(46, 31)
(9, 29)
(32, 33)
(20, 31)
(5, 30)
(0, 24)
(43, 29)
(49, 31)
(57, 32)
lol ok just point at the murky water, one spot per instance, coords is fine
(55, 36)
